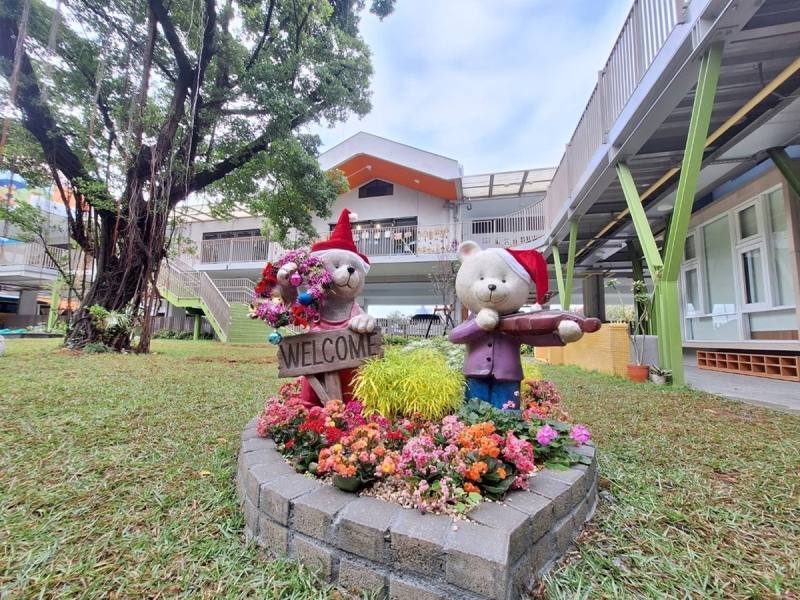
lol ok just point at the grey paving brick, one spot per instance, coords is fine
(250, 515)
(363, 528)
(477, 560)
(272, 536)
(313, 514)
(557, 491)
(275, 497)
(539, 508)
(257, 457)
(313, 554)
(258, 475)
(532, 565)
(257, 443)
(417, 542)
(564, 533)
(248, 434)
(586, 450)
(361, 578)
(576, 478)
(406, 590)
(515, 524)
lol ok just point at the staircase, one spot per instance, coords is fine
(224, 303)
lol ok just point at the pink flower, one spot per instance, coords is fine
(580, 433)
(546, 434)
(510, 405)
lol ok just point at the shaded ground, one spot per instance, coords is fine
(115, 480)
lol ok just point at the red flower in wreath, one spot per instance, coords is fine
(268, 268)
(261, 287)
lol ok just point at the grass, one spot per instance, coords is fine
(116, 481)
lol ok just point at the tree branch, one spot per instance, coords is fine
(185, 70)
(36, 115)
(264, 36)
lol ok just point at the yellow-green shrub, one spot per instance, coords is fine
(531, 370)
(408, 382)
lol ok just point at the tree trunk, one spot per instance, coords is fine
(127, 259)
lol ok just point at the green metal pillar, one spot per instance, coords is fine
(787, 168)
(684, 200)
(664, 272)
(559, 274)
(197, 323)
(573, 242)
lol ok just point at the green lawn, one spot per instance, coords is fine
(116, 480)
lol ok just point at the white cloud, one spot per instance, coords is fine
(496, 85)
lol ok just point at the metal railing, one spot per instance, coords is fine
(516, 228)
(646, 29)
(238, 290)
(411, 327)
(217, 305)
(184, 283)
(32, 254)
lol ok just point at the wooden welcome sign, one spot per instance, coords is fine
(324, 354)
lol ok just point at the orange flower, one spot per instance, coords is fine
(471, 487)
(476, 470)
(501, 473)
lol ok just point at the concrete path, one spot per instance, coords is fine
(772, 393)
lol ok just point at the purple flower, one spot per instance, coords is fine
(546, 434)
(580, 433)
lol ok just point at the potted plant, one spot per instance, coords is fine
(637, 327)
(658, 375)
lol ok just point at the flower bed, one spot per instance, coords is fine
(445, 465)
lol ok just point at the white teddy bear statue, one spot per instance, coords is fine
(494, 284)
(349, 268)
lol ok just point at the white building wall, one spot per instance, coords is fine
(405, 202)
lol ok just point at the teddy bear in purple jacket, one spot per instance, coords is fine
(494, 284)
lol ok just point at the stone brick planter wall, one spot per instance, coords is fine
(365, 544)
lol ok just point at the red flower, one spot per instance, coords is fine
(268, 268)
(396, 435)
(333, 434)
(261, 287)
(289, 444)
(315, 425)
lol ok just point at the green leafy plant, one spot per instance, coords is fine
(95, 348)
(409, 381)
(395, 340)
(655, 370)
(454, 353)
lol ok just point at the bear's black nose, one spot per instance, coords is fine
(351, 270)
(492, 287)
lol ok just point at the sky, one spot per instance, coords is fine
(498, 85)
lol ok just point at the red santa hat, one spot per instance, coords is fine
(531, 266)
(341, 239)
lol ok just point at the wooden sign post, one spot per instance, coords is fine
(322, 354)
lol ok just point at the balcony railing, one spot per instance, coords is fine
(408, 240)
(31, 255)
(649, 24)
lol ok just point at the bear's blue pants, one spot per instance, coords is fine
(495, 392)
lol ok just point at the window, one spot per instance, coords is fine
(781, 260)
(753, 272)
(719, 267)
(375, 188)
(748, 222)
(691, 292)
(689, 249)
(226, 235)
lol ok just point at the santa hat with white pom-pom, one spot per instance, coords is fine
(341, 239)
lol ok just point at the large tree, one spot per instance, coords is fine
(133, 105)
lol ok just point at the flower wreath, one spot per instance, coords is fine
(304, 310)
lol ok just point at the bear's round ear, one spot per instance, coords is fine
(466, 249)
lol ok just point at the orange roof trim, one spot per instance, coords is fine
(363, 168)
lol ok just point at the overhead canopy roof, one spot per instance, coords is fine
(201, 212)
(507, 183)
(744, 123)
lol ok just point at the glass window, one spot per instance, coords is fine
(376, 188)
(753, 270)
(781, 264)
(692, 293)
(719, 267)
(748, 222)
(689, 251)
